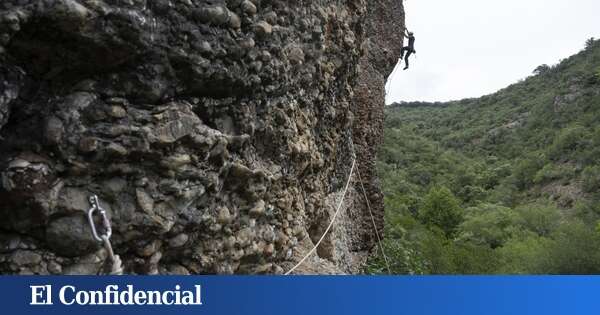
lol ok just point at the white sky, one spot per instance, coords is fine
(469, 48)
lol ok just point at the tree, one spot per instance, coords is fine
(541, 219)
(569, 143)
(574, 250)
(591, 179)
(488, 224)
(441, 209)
(526, 168)
(541, 69)
(526, 255)
(589, 43)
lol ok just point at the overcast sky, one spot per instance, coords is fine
(469, 48)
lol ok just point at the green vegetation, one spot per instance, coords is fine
(441, 210)
(506, 183)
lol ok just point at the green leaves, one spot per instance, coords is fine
(591, 179)
(441, 209)
(489, 224)
(541, 69)
(505, 183)
(569, 143)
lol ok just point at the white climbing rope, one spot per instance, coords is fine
(391, 77)
(339, 207)
(387, 264)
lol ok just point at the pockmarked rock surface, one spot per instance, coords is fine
(218, 135)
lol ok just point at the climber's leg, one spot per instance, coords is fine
(402, 52)
(406, 58)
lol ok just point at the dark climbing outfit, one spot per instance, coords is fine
(410, 49)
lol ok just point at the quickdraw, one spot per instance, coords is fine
(105, 235)
(96, 207)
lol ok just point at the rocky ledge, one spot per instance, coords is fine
(218, 135)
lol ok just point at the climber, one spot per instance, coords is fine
(410, 49)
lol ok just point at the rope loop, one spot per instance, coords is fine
(339, 207)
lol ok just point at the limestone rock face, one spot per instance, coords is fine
(218, 135)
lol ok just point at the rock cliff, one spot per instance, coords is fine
(218, 134)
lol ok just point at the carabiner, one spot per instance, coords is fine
(96, 207)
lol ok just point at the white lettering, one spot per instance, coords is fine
(177, 295)
(114, 295)
(154, 298)
(140, 298)
(42, 291)
(166, 300)
(82, 297)
(96, 297)
(125, 298)
(198, 295)
(62, 292)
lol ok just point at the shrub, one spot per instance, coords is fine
(593, 78)
(524, 255)
(489, 225)
(526, 169)
(568, 141)
(551, 172)
(589, 43)
(474, 259)
(441, 209)
(541, 219)
(436, 251)
(574, 250)
(442, 256)
(587, 210)
(591, 178)
(541, 69)
(402, 258)
(470, 194)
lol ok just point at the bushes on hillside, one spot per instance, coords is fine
(525, 255)
(552, 172)
(574, 250)
(488, 224)
(531, 239)
(541, 69)
(591, 179)
(540, 219)
(441, 210)
(526, 169)
(507, 159)
(568, 143)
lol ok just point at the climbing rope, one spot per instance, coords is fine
(339, 207)
(373, 221)
(391, 77)
(104, 238)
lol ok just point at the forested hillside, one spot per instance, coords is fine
(506, 183)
